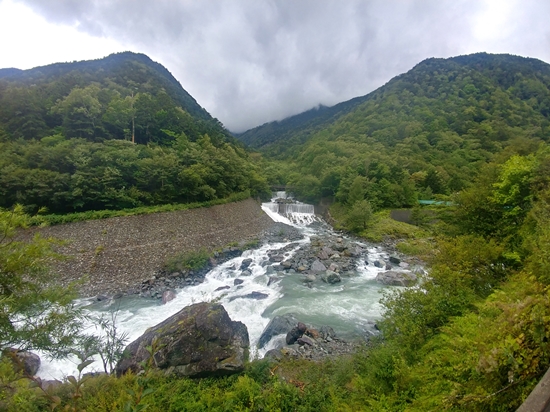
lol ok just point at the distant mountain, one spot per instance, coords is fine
(9, 72)
(34, 102)
(425, 132)
(523, 79)
(303, 124)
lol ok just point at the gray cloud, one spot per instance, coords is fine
(249, 62)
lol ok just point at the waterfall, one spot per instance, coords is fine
(299, 208)
(297, 213)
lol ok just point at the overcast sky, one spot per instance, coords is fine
(253, 61)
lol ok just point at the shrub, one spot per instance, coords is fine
(192, 260)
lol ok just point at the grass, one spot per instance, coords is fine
(412, 240)
(193, 260)
(53, 219)
(383, 227)
(421, 248)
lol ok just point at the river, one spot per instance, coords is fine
(350, 307)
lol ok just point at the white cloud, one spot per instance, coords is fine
(28, 40)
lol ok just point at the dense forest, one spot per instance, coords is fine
(67, 133)
(425, 133)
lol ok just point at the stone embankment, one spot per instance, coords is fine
(117, 255)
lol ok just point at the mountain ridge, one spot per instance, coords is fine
(263, 137)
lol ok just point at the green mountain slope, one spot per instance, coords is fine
(66, 133)
(431, 79)
(36, 101)
(425, 132)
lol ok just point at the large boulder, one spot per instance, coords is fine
(295, 333)
(277, 326)
(393, 278)
(317, 266)
(245, 264)
(198, 341)
(167, 296)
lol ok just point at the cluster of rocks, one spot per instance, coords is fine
(302, 341)
(162, 285)
(331, 258)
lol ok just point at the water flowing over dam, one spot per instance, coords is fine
(296, 212)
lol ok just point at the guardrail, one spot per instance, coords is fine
(539, 399)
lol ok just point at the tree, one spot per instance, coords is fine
(81, 112)
(33, 314)
(359, 216)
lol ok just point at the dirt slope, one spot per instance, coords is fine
(117, 253)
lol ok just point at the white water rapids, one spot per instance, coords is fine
(349, 307)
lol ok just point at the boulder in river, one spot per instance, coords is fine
(317, 266)
(277, 326)
(393, 278)
(395, 260)
(198, 341)
(167, 296)
(245, 264)
(331, 277)
(295, 333)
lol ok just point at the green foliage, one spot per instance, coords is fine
(427, 132)
(359, 216)
(422, 248)
(103, 99)
(193, 260)
(382, 227)
(76, 175)
(474, 335)
(71, 152)
(109, 344)
(42, 219)
(34, 313)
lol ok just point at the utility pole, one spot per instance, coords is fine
(133, 120)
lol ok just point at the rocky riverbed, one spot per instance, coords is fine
(330, 278)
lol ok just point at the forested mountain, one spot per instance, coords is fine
(425, 132)
(98, 99)
(66, 133)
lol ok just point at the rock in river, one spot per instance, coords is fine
(331, 277)
(198, 341)
(393, 278)
(277, 326)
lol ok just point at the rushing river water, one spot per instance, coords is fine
(349, 307)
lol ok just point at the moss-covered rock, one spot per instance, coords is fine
(198, 341)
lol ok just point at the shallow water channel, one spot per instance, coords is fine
(350, 307)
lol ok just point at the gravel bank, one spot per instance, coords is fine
(114, 255)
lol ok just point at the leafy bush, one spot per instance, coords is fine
(192, 260)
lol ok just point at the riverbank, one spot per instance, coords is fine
(112, 256)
